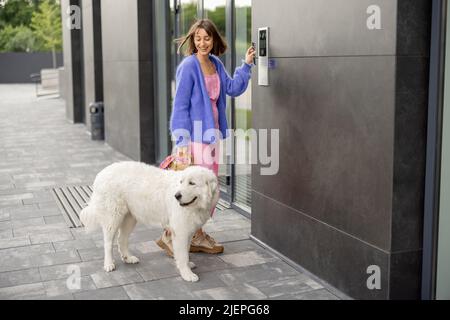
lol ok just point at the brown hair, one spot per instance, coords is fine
(219, 43)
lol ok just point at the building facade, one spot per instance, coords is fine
(359, 196)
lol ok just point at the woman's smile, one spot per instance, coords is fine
(203, 41)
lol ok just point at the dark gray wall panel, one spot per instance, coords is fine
(88, 51)
(414, 27)
(120, 31)
(334, 256)
(335, 117)
(73, 64)
(120, 71)
(147, 114)
(326, 28)
(67, 53)
(410, 152)
(405, 275)
(121, 93)
(92, 50)
(98, 50)
(128, 78)
(146, 82)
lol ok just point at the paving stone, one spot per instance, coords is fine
(10, 203)
(5, 225)
(44, 229)
(32, 212)
(67, 296)
(116, 293)
(143, 247)
(13, 191)
(54, 219)
(26, 251)
(80, 233)
(207, 280)
(157, 266)
(63, 271)
(36, 186)
(247, 258)
(321, 294)
(267, 271)
(14, 242)
(226, 225)
(231, 235)
(206, 262)
(228, 214)
(10, 170)
(147, 235)
(165, 289)
(290, 285)
(25, 176)
(14, 278)
(122, 275)
(52, 237)
(28, 222)
(239, 292)
(241, 246)
(56, 288)
(74, 244)
(5, 198)
(6, 186)
(22, 292)
(6, 234)
(50, 206)
(4, 216)
(19, 263)
(95, 254)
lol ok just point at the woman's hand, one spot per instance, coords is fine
(182, 158)
(251, 52)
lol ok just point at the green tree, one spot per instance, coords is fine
(17, 39)
(17, 12)
(46, 25)
(218, 17)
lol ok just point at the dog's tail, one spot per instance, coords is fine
(88, 219)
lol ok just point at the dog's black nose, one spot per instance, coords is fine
(178, 196)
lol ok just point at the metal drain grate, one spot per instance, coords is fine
(71, 200)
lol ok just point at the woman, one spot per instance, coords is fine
(199, 105)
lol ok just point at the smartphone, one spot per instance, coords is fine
(254, 58)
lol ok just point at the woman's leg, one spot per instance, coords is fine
(206, 156)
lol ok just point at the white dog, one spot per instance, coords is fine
(127, 192)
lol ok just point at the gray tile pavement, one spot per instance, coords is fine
(40, 255)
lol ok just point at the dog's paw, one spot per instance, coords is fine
(109, 267)
(130, 260)
(189, 276)
(192, 265)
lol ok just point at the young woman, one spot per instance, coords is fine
(198, 118)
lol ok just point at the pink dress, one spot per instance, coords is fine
(207, 155)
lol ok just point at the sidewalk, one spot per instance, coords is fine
(39, 150)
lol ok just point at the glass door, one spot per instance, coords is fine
(183, 14)
(242, 111)
(216, 11)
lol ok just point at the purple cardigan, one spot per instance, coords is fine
(192, 101)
